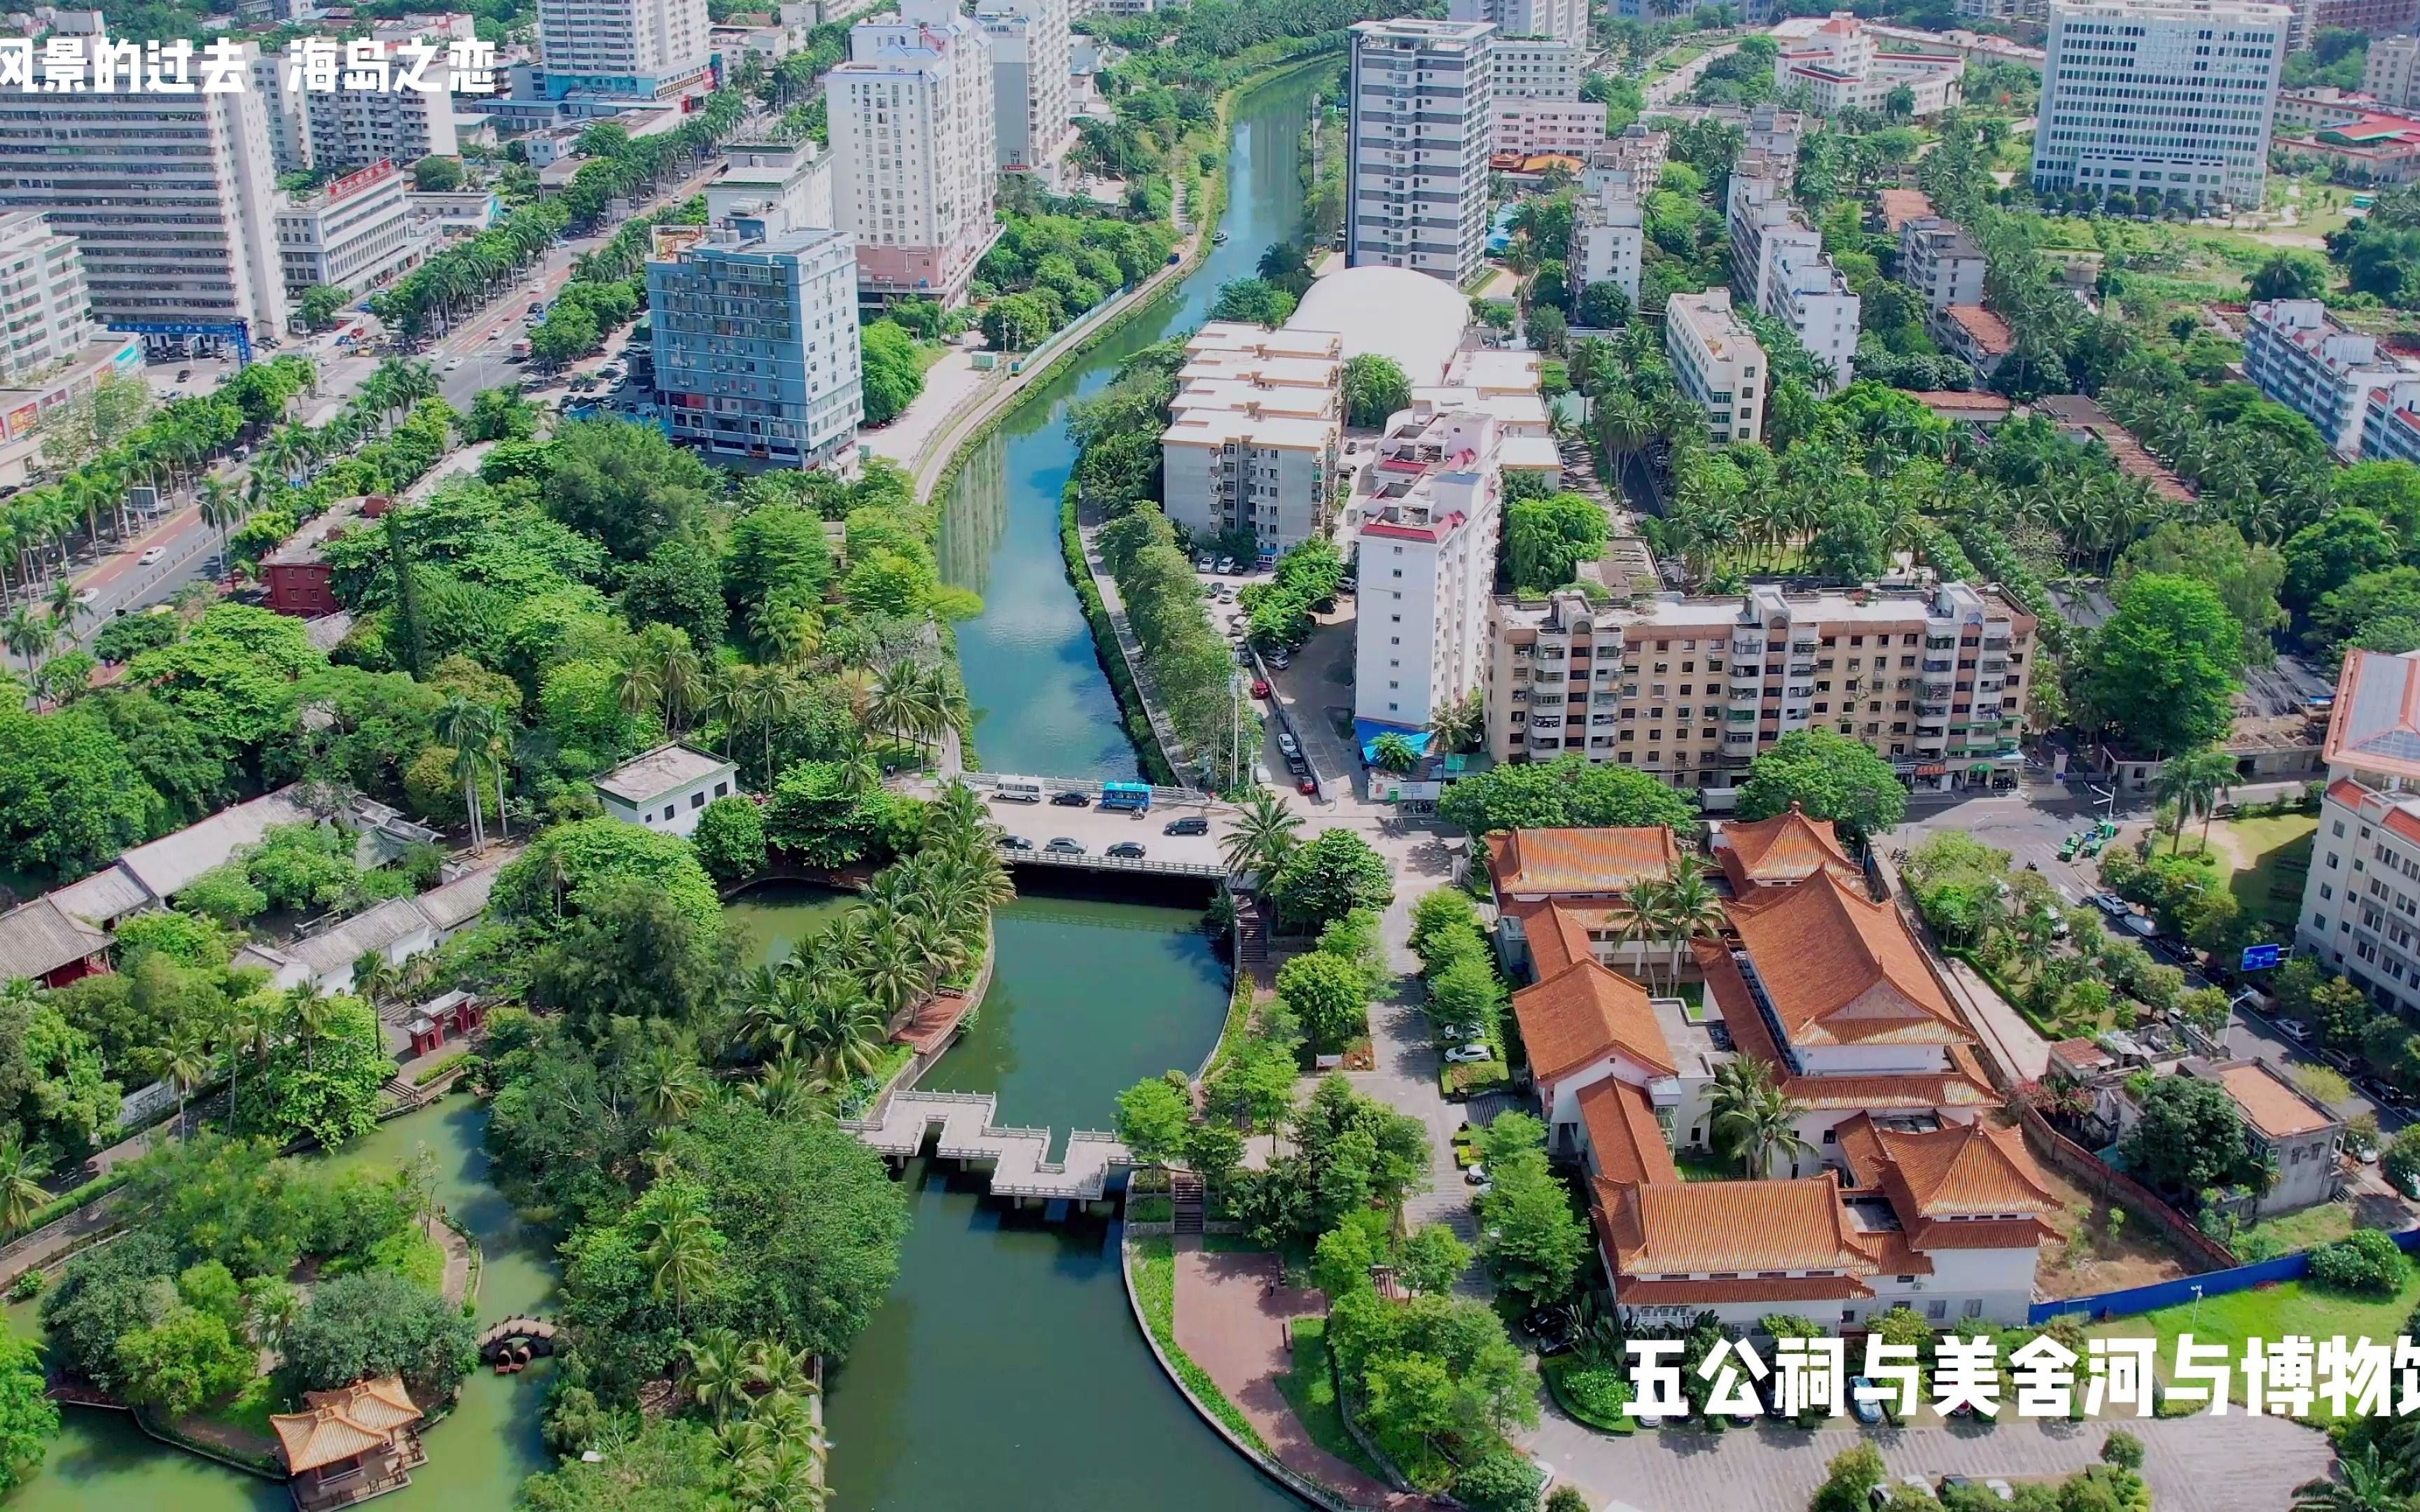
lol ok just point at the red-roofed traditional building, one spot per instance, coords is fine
(1781, 852)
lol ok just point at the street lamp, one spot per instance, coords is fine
(2196, 1316)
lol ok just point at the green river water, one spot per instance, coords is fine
(1006, 1372)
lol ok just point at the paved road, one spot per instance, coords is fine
(2195, 1464)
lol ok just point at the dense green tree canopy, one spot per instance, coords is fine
(1569, 791)
(2162, 670)
(1830, 775)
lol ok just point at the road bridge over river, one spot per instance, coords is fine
(1096, 829)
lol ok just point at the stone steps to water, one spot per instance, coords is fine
(1018, 1157)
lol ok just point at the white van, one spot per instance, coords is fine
(1017, 790)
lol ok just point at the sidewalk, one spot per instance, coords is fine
(947, 383)
(1233, 1324)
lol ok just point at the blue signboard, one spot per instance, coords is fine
(238, 332)
(2262, 957)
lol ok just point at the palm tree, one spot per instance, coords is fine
(1691, 908)
(1647, 924)
(681, 1250)
(671, 1085)
(1262, 834)
(28, 634)
(1752, 1118)
(470, 728)
(1393, 752)
(185, 1061)
(22, 1192)
(2195, 783)
(269, 1315)
(714, 1374)
(2367, 1484)
(67, 604)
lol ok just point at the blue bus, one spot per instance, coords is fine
(1132, 796)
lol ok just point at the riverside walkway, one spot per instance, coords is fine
(1020, 1167)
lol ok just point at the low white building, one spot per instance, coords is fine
(355, 235)
(2360, 904)
(666, 788)
(1608, 240)
(1717, 363)
(1253, 433)
(2296, 353)
(1838, 61)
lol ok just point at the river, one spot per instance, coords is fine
(1005, 1371)
(1041, 706)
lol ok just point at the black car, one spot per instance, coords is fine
(1127, 849)
(1191, 824)
(1072, 799)
(1014, 842)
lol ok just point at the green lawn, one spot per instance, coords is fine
(2269, 1313)
(1699, 1165)
(2279, 849)
(1309, 1389)
(2287, 1232)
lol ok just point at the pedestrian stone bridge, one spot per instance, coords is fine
(1017, 1158)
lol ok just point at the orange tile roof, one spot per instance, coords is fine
(1694, 1228)
(1900, 205)
(1537, 862)
(1623, 1134)
(1961, 1186)
(1987, 332)
(1583, 1013)
(1962, 1084)
(2275, 1109)
(1787, 848)
(1558, 935)
(1841, 969)
(1769, 1290)
(342, 1424)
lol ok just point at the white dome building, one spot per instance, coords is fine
(1412, 317)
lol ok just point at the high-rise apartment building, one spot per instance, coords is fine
(755, 340)
(171, 198)
(1427, 564)
(913, 159)
(45, 311)
(1940, 261)
(1934, 679)
(2360, 914)
(2171, 95)
(354, 233)
(1717, 363)
(1422, 115)
(786, 184)
(1031, 52)
(355, 128)
(1538, 67)
(2391, 72)
(1780, 270)
(2376, 17)
(631, 49)
(1253, 432)
(1565, 21)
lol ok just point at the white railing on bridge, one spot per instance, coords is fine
(1087, 861)
(985, 781)
(1020, 1167)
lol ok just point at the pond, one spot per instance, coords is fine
(477, 1456)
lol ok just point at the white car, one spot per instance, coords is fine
(1476, 1176)
(1468, 1054)
(88, 595)
(453, 363)
(150, 555)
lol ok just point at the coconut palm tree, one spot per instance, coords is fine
(671, 1085)
(1754, 1119)
(471, 729)
(1691, 908)
(28, 634)
(1262, 834)
(714, 1372)
(1647, 924)
(269, 1314)
(1392, 753)
(185, 1061)
(680, 1249)
(22, 1192)
(2195, 782)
